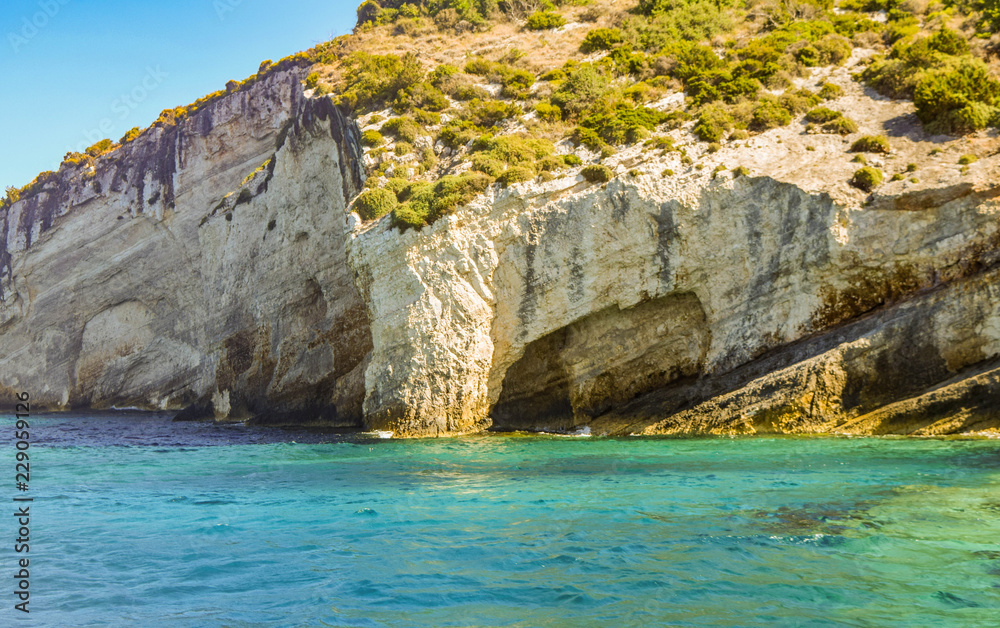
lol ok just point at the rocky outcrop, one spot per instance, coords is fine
(207, 267)
(691, 304)
(199, 267)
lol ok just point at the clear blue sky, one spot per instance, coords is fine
(70, 65)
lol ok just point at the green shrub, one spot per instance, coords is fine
(130, 135)
(850, 24)
(581, 89)
(896, 30)
(713, 122)
(428, 159)
(841, 126)
(808, 56)
(99, 148)
(496, 155)
(426, 118)
(440, 75)
(312, 80)
(402, 148)
(989, 14)
(458, 133)
(957, 99)
(422, 203)
(832, 49)
(544, 20)
(967, 159)
(369, 12)
(485, 162)
(470, 92)
(572, 160)
(403, 128)
(372, 138)
(822, 114)
(373, 204)
(480, 66)
(662, 142)
(741, 171)
(375, 80)
(597, 173)
(516, 83)
(75, 159)
(871, 144)
(691, 60)
(588, 138)
(396, 185)
(410, 215)
(420, 95)
(516, 174)
(897, 177)
(948, 42)
(601, 39)
(829, 91)
(450, 191)
(866, 179)
(489, 113)
(452, 82)
(799, 101)
(768, 114)
(550, 163)
(897, 75)
(676, 118)
(626, 61)
(621, 122)
(548, 112)
(832, 121)
(685, 20)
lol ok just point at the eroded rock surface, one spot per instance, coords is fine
(689, 304)
(199, 267)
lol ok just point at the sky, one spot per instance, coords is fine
(77, 71)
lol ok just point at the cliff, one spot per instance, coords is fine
(224, 266)
(176, 272)
(733, 305)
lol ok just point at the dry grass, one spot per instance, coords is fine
(544, 50)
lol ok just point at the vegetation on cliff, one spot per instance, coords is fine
(441, 87)
(740, 66)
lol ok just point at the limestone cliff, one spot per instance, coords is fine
(728, 305)
(215, 267)
(179, 273)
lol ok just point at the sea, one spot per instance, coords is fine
(139, 521)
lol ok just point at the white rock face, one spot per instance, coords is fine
(143, 284)
(556, 305)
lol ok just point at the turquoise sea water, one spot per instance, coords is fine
(141, 522)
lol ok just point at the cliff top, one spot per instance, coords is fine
(868, 95)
